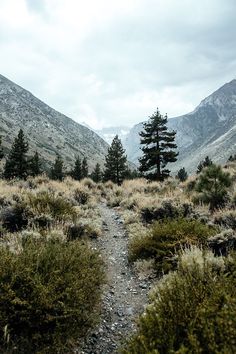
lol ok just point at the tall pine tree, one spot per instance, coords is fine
(76, 173)
(97, 174)
(158, 147)
(57, 169)
(84, 168)
(116, 162)
(35, 165)
(17, 165)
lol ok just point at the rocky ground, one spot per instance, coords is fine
(124, 296)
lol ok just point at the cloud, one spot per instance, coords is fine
(113, 62)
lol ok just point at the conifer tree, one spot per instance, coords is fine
(116, 162)
(84, 168)
(35, 165)
(204, 163)
(17, 165)
(77, 170)
(97, 173)
(213, 184)
(158, 147)
(57, 169)
(182, 174)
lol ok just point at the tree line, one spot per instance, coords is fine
(158, 150)
(20, 165)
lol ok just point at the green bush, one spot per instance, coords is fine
(48, 203)
(213, 185)
(166, 238)
(192, 311)
(49, 295)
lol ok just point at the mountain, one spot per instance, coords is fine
(209, 130)
(109, 133)
(48, 131)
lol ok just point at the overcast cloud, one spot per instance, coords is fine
(112, 62)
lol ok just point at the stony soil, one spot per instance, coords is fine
(124, 296)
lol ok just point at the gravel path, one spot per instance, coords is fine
(124, 295)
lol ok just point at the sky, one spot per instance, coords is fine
(113, 62)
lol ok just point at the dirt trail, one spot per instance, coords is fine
(124, 296)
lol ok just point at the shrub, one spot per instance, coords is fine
(182, 174)
(81, 196)
(166, 238)
(226, 218)
(192, 310)
(49, 294)
(166, 210)
(48, 203)
(213, 185)
(76, 231)
(16, 217)
(223, 243)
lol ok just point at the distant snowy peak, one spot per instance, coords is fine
(109, 133)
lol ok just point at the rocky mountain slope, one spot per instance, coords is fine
(209, 130)
(48, 131)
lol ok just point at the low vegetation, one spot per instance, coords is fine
(181, 235)
(192, 310)
(49, 294)
(50, 290)
(165, 238)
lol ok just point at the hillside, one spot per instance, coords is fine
(209, 130)
(47, 130)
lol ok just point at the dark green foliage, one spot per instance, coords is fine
(232, 158)
(204, 163)
(1, 149)
(116, 162)
(132, 174)
(84, 168)
(15, 218)
(57, 169)
(35, 165)
(17, 165)
(77, 171)
(158, 149)
(182, 174)
(213, 184)
(49, 294)
(168, 237)
(193, 311)
(97, 174)
(167, 210)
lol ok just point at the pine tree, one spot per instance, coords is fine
(84, 168)
(158, 149)
(77, 170)
(17, 165)
(213, 184)
(57, 169)
(204, 163)
(182, 174)
(97, 173)
(1, 149)
(116, 162)
(35, 165)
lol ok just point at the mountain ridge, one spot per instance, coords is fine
(47, 130)
(199, 133)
